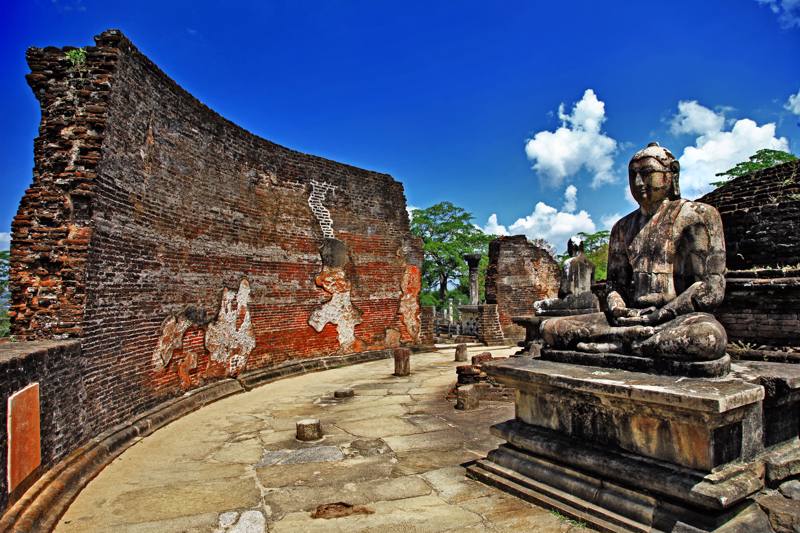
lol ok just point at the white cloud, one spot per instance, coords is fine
(694, 118)
(793, 104)
(554, 226)
(410, 210)
(492, 227)
(577, 144)
(547, 222)
(5, 240)
(788, 12)
(570, 199)
(716, 151)
(608, 221)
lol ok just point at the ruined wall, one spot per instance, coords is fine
(761, 217)
(519, 273)
(762, 307)
(180, 248)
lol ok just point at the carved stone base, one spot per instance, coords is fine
(615, 491)
(693, 369)
(630, 451)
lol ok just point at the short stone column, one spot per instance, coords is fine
(461, 353)
(309, 429)
(402, 361)
(473, 260)
(344, 393)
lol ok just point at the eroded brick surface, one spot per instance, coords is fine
(761, 220)
(180, 248)
(761, 217)
(409, 301)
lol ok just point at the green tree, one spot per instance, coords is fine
(447, 233)
(762, 159)
(4, 296)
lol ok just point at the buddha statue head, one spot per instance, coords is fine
(653, 175)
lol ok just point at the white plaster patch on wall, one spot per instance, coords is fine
(339, 310)
(321, 213)
(171, 339)
(230, 338)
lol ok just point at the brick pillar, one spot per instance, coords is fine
(489, 330)
(427, 318)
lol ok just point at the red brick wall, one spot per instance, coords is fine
(146, 205)
(519, 274)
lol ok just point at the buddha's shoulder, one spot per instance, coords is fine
(622, 225)
(697, 210)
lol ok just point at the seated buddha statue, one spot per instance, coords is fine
(666, 273)
(575, 291)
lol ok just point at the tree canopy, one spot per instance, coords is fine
(447, 233)
(761, 159)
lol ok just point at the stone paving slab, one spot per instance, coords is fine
(396, 448)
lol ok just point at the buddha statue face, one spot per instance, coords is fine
(653, 177)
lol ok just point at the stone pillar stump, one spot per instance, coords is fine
(309, 429)
(461, 353)
(402, 361)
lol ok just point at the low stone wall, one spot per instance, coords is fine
(53, 366)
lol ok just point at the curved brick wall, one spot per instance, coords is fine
(761, 217)
(180, 248)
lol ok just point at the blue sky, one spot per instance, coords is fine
(528, 111)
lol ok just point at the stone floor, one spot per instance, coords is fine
(394, 451)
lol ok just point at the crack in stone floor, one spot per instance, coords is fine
(395, 448)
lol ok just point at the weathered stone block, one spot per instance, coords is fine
(467, 398)
(695, 423)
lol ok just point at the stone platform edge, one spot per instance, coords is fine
(48, 498)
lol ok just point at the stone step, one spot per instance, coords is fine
(552, 498)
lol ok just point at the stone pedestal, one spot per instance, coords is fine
(531, 346)
(402, 362)
(630, 451)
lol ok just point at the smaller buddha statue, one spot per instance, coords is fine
(575, 291)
